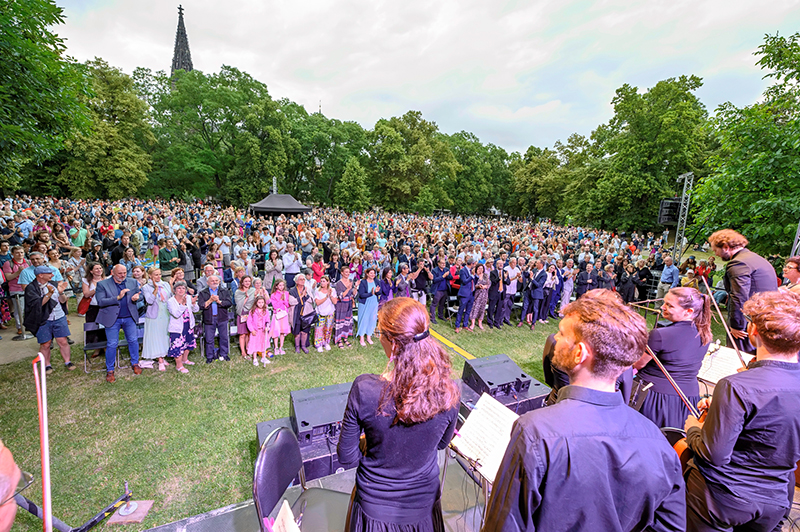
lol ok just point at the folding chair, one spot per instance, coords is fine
(278, 463)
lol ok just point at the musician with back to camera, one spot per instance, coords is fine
(590, 462)
(680, 347)
(747, 448)
(406, 414)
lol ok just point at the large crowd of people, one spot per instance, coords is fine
(194, 275)
(319, 277)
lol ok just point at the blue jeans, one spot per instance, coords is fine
(130, 327)
(209, 332)
(464, 310)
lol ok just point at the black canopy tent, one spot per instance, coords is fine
(279, 204)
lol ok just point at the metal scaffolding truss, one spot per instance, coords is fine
(683, 215)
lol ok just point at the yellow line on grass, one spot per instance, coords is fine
(451, 345)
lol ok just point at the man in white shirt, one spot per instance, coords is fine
(291, 265)
(514, 275)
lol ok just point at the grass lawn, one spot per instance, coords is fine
(187, 441)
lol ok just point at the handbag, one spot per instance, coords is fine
(308, 320)
(83, 306)
(280, 314)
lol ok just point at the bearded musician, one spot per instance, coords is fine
(590, 462)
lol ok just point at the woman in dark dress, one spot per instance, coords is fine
(680, 347)
(406, 415)
(643, 277)
(343, 317)
(627, 284)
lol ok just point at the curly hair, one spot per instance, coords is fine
(420, 385)
(613, 331)
(776, 317)
(729, 237)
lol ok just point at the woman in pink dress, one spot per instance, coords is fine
(279, 327)
(258, 324)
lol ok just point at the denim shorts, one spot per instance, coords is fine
(52, 329)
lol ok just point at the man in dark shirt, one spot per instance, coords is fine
(749, 444)
(119, 251)
(590, 462)
(746, 274)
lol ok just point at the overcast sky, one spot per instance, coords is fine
(514, 73)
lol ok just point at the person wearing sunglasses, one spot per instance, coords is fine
(13, 481)
(791, 272)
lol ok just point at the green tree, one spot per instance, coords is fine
(197, 119)
(40, 88)
(406, 154)
(352, 192)
(482, 176)
(528, 175)
(753, 185)
(426, 202)
(653, 137)
(110, 161)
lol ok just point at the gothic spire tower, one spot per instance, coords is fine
(182, 57)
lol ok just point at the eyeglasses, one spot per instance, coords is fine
(25, 480)
(789, 268)
(748, 318)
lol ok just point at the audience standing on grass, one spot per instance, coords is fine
(468, 269)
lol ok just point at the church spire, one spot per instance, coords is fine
(182, 57)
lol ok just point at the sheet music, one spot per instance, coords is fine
(721, 362)
(485, 435)
(285, 522)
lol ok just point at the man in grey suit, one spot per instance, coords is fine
(117, 297)
(746, 274)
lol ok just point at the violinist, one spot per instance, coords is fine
(746, 448)
(680, 347)
(589, 462)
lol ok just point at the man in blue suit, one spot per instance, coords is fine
(538, 278)
(117, 297)
(439, 290)
(465, 293)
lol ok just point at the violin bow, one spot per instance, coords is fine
(724, 323)
(674, 384)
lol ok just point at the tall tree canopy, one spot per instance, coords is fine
(110, 160)
(753, 185)
(408, 153)
(40, 88)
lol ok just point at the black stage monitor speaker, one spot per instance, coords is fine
(316, 413)
(265, 428)
(669, 211)
(521, 402)
(496, 375)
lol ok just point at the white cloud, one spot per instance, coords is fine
(514, 73)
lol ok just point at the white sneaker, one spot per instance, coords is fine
(320, 350)
(327, 347)
(265, 361)
(255, 360)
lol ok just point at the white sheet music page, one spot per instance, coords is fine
(285, 522)
(485, 435)
(721, 362)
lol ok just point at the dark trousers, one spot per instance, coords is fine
(508, 304)
(494, 316)
(209, 331)
(464, 310)
(536, 310)
(290, 280)
(438, 305)
(551, 311)
(529, 306)
(708, 510)
(129, 328)
(544, 305)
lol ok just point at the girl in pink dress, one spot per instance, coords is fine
(279, 327)
(258, 324)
